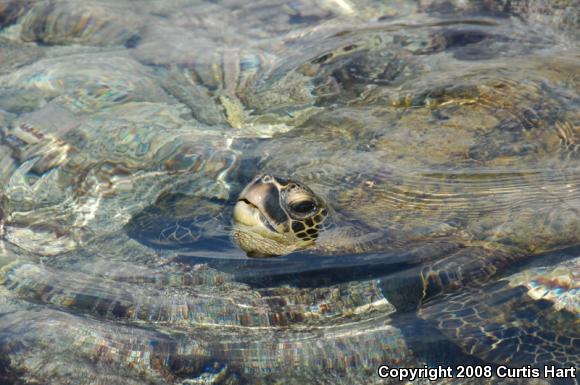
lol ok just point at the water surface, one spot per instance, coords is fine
(127, 129)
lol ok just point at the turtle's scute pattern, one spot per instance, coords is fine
(505, 324)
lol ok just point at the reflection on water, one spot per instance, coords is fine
(444, 135)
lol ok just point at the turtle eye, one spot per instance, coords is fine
(303, 207)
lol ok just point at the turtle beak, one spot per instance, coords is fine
(245, 213)
(259, 204)
(247, 208)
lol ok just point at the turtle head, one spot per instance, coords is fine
(275, 216)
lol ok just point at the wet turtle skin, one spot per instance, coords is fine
(123, 152)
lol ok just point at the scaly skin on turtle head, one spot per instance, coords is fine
(275, 216)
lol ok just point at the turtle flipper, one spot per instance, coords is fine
(470, 265)
(527, 318)
(437, 267)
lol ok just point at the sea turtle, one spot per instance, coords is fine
(459, 223)
(447, 270)
(455, 195)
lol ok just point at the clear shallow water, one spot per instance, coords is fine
(128, 129)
